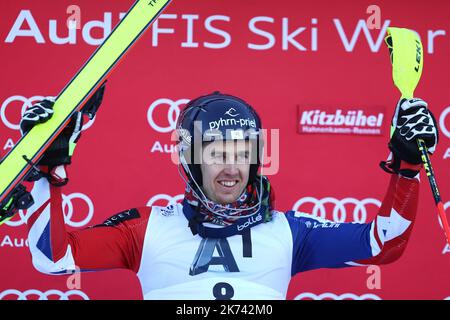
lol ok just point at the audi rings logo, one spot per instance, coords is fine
(22, 103)
(340, 207)
(13, 294)
(333, 296)
(444, 129)
(169, 200)
(172, 114)
(69, 210)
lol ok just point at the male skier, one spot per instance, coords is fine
(225, 240)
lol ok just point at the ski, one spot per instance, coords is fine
(30, 148)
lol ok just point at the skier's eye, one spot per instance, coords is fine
(218, 157)
(242, 157)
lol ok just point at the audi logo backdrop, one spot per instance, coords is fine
(292, 60)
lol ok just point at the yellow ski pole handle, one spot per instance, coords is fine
(406, 53)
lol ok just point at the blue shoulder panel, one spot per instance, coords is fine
(320, 243)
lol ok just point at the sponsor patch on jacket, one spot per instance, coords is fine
(120, 218)
(167, 211)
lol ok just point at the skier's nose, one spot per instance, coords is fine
(231, 170)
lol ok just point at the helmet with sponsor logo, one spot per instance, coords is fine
(222, 117)
(214, 117)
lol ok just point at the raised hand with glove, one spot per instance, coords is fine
(412, 121)
(60, 152)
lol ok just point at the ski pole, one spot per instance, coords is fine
(434, 188)
(407, 65)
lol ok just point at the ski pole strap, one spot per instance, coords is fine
(35, 173)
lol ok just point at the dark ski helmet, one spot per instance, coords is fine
(214, 117)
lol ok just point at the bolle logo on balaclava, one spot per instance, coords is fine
(250, 222)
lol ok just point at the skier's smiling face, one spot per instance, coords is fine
(225, 170)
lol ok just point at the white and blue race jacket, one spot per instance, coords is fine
(172, 263)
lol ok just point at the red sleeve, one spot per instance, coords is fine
(395, 219)
(117, 243)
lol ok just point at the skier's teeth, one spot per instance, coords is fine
(228, 183)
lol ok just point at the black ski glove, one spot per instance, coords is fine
(412, 120)
(61, 150)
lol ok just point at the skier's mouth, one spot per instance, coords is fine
(228, 183)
